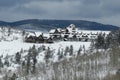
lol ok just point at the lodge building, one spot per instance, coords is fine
(70, 33)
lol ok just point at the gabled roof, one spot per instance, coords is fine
(55, 30)
(59, 29)
(52, 31)
(72, 28)
(30, 34)
(38, 34)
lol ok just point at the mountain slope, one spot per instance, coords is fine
(49, 24)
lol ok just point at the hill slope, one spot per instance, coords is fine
(46, 25)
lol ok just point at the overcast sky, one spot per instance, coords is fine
(103, 11)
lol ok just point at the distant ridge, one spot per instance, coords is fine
(45, 25)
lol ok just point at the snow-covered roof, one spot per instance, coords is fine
(69, 29)
(30, 34)
(72, 28)
(46, 35)
(52, 31)
(59, 29)
(71, 25)
(70, 36)
(38, 34)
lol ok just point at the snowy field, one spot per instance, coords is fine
(10, 48)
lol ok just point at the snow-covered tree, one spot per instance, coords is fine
(18, 57)
(79, 51)
(1, 63)
(48, 54)
(100, 41)
(71, 50)
(66, 50)
(60, 55)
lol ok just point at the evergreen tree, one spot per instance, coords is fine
(108, 41)
(6, 62)
(66, 50)
(100, 42)
(23, 32)
(23, 63)
(71, 50)
(34, 54)
(48, 54)
(9, 31)
(1, 63)
(61, 55)
(14, 76)
(79, 51)
(18, 57)
(34, 59)
(84, 49)
(92, 46)
(33, 47)
(117, 37)
(58, 53)
(28, 62)
(21, 51)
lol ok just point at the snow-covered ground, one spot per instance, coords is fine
(14, 43)
(12, 47)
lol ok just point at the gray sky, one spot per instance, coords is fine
(103, 11)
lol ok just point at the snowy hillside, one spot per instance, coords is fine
(12, 42)
(56, 61)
